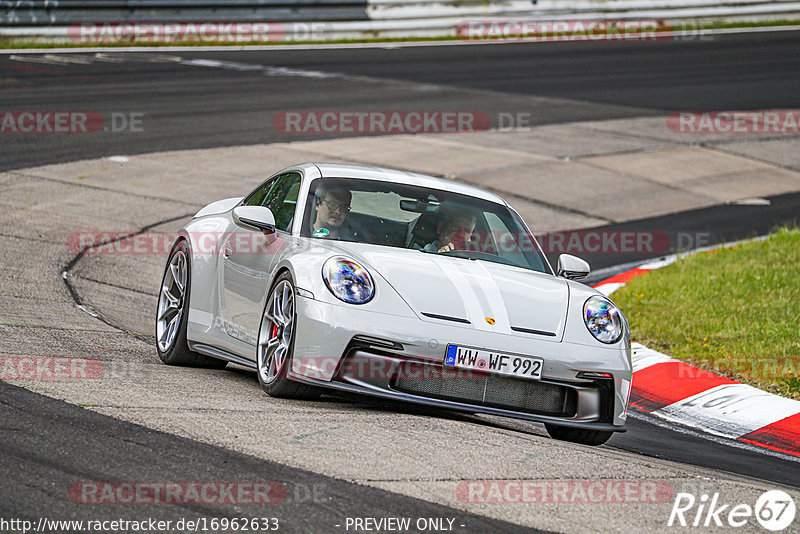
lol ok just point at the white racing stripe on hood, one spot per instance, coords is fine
(466, 290)
(494, 296)
(492, 303)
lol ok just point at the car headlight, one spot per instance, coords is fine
(603, 319)
(348, 281)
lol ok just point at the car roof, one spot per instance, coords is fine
(360, 172)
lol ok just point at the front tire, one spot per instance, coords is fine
(172, 313)
(578, 435)
(276, 343)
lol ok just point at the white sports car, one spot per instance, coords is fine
(396, 285)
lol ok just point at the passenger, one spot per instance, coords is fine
(333, 205)
(454, 230)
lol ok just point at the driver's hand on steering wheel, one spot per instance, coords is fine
(447, 248)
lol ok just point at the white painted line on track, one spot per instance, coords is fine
(267, 70)
(68, 58)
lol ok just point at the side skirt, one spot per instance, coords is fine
(214, 352)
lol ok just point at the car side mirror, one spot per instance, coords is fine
(257, 217)
(572, 268)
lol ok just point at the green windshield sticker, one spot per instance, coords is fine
(322, 232)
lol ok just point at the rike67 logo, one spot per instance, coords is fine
(774, 510)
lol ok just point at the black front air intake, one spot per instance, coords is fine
(529, 396)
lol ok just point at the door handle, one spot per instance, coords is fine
(227, 250)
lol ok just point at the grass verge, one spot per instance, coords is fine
(735, 311)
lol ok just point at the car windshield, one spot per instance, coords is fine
(412, 217)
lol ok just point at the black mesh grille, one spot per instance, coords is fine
(456, 388)
(496, 391)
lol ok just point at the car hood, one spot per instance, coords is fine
(449, 290)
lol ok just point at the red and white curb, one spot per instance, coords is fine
(681, 393)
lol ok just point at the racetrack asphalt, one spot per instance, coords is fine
(50, 447)
(92, 206)
(187, 101)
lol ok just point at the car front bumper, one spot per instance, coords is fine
(401, 358)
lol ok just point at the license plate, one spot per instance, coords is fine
(494, 362)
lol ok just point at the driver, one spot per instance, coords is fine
(333, 205)
(454, 230)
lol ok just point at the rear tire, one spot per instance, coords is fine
(276, 343)
(578, 435)
(172, 313)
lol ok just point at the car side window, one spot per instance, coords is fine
(257, 197)
(281, 199)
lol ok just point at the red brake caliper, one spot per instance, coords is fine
(274, 331)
